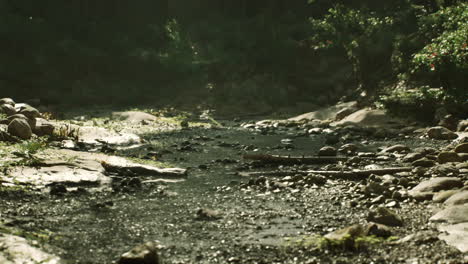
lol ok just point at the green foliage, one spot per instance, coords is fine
(445, 55)
(365, 35)
(420, 103)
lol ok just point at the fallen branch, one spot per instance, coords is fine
(293, 160)
(353, 174)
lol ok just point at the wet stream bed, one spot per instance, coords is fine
(214, 215)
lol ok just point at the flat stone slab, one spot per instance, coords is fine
(458, 198)
(453, 215)
(456, 236)
(83, 169)
(17, 250)
(97, 136)
(133, 116)
(436, 185)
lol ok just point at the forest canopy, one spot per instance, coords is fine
(396, 53)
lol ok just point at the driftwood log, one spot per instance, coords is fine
(273, 159)
(353, 174)
(141, 170)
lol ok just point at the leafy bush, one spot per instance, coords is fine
(445, 56)
(420, 103)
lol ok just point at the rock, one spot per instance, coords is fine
(441, 133)
(424, 162)
(368, 117)
(455, 235)
(43, 127)
(442, 196)
(147, 253)
(7, 109)
(20, 128)
(461, 148)
(7, 101)
(463, 156)
(29, 111)
(324, 113)
(449, 122)
(207, 214)
(327, 151)
(348, 234)
(31, 122)
(458, 198)
(384, 216)
(396, 148)
(373, 188)
(420, 238)
(462, 125)
(134, 116)
(17, 250)
(410, 157)
(348, 148)
(98, 136)
(436, 184)
(345, 112)
(448, 156)
(452, 214)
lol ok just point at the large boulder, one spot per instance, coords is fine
(368, 117)
(441, 133)
(20, 128)
(31, 121)
(327, 113)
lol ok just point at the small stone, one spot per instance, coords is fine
(462, 126)
(348, 148)
(462, 148)
(396, 148)
(424, 162)
(20, 128)
(7, 109)
(327, 151)
(448, 156)
(147, 253)
(207, 214)
(384, 216)
(373, 188)
(412, 157)
(7, 101)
